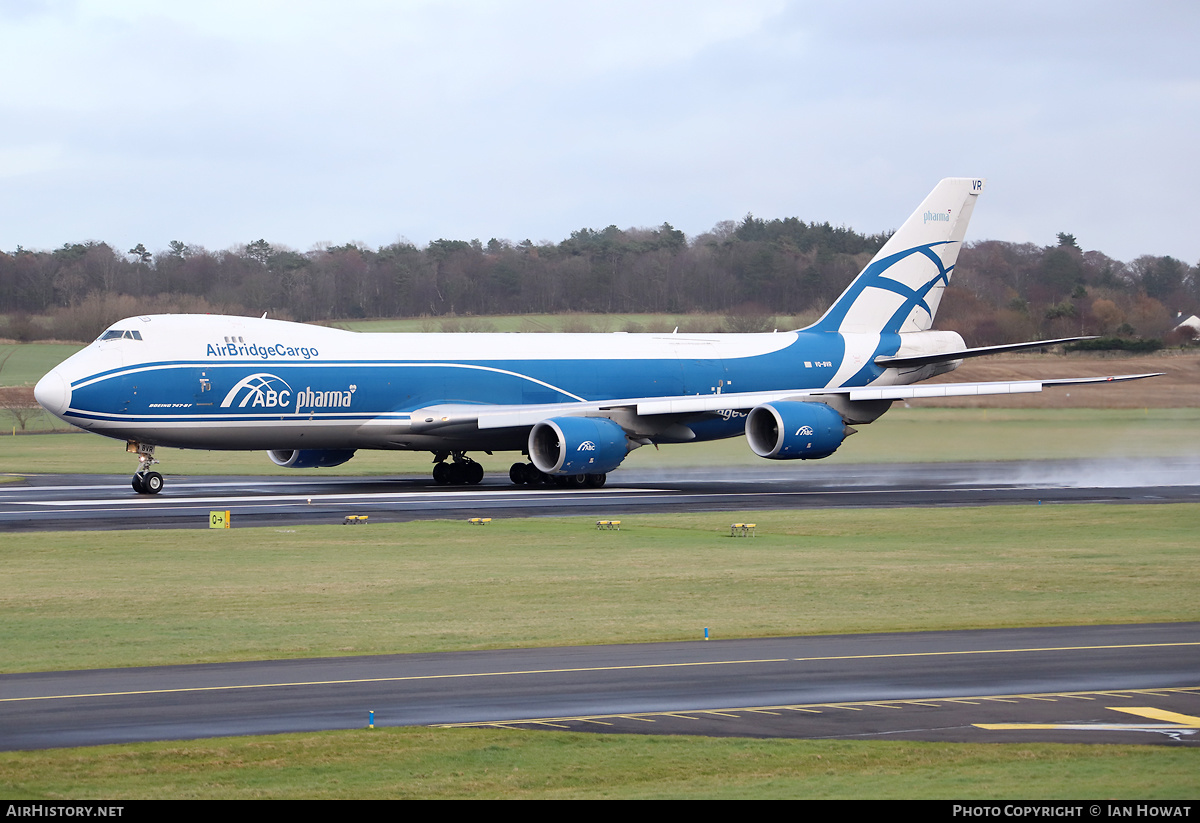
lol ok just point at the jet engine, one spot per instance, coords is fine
(309, 458)
(577, 445)
(795, 430)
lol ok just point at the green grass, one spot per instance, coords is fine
(29, 361)
(902, 435)
(88, 600)
(577, 322)
(475, 763)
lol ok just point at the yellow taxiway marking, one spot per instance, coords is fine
(819, 708)
(1173, 720)
(1185, 720)
(401, 679)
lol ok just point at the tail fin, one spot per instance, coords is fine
(900, 289)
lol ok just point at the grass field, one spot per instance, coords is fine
(590, 323)
(27, 362)
(478, 763)
(87, 600)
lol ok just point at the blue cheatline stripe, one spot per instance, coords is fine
(288, 417)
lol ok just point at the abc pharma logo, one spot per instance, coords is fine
(260, 390)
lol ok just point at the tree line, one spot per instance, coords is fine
(751, 271)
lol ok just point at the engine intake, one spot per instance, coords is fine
(795, 430)
(309, 458)
(577, 445)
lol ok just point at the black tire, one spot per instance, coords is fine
(153, 482)
(516, 473)
(595, 481)
(441, 474)
(139, 483)
(474, 473)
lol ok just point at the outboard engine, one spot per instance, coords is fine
(795, 430)
(577, 445)
(309, 458)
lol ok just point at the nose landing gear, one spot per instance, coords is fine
(144, 480)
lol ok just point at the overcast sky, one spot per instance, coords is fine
(306, 122)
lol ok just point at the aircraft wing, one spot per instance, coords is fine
(450, 416)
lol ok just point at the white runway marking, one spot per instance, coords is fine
(267, 498)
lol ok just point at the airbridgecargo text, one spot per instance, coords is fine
(263, 352)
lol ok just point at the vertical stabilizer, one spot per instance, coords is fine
(900, 289)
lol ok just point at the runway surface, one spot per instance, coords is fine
(44, 502)
(1129, 684)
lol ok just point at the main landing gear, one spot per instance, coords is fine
(527, 474)
(462, 472)
(144, 480)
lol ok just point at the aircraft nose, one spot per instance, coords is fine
(53, 393)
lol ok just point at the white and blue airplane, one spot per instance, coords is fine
(576, 404)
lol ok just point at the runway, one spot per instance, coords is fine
(79, 502)
(1130, 684)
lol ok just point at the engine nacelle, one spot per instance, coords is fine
(794, 430)
(309, 458)
(577, 445)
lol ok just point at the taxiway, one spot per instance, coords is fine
(1134, 683)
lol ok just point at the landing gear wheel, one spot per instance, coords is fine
(535, 477)
(595, 481)
(474, 473)
(462, 471)
(442, 474)
(516, 474)
(147, 482)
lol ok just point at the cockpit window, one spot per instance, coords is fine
(118, 334)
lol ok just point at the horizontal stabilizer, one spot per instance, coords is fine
(963, 354)
(978, 389)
